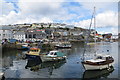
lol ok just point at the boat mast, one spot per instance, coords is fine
(95, 28)
(85, 45)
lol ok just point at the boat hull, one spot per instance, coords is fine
(60, 47)
(47, 59)
(24, 48)
(96, 67)
(98, 73)
(28, 56)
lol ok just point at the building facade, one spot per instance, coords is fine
(5, 32)
(20, 35)
(35, 35)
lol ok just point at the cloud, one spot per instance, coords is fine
(46, 20)
(30, 11)
(100, 6)
(114, 31)
(97, 0)
(10, 18)
(39, 8)
(106, 19)
(5, 8)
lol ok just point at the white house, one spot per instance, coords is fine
(5, 32)
(114, 37)
(20, 35)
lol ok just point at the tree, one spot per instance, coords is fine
(49, 25)
(42, 26)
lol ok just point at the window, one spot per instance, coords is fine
(25, 35)
(99, 57)
(3, 30)
(34, 35)
(51, 53)
(55, 54)
(30, 36)
(3, 35)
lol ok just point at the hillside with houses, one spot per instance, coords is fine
(49, 32)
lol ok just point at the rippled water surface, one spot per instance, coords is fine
(15, 66)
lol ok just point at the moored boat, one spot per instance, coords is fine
(33, 53)
(63, 45)
(24, 46)
(100, 62)
(91, 43)
(53, 56)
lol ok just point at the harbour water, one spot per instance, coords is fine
(15, 66)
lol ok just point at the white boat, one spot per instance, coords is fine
(101, 61)
(63, 45)
(53, 56)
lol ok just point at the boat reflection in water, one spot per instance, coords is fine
(33, 64)
(96, 74)
(37, 64)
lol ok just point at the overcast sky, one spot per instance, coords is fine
(75, 12)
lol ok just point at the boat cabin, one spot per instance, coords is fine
(55, 54)
(104, 57)
(100, 60)
(34, 51)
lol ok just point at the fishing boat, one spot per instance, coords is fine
(100, 61)
(53, 56)
(33, 53)
(63, 45)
